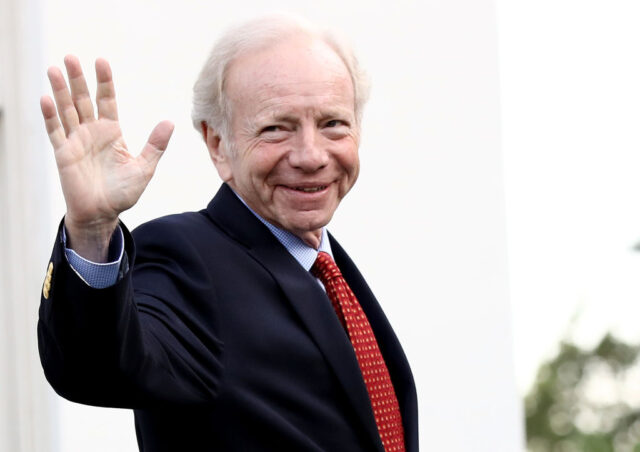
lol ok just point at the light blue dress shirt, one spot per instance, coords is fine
(99, 275)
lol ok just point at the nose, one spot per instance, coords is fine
(308, 154)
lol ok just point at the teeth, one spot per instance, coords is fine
(310, 189)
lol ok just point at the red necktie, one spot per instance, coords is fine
(374, 371)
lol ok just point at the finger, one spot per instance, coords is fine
(66, 109)
(54, 128)
(157, 143)
(106, 93)
(79, 90)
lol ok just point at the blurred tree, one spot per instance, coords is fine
(586, 400)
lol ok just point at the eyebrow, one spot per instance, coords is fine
(278, 118)
(287, 117)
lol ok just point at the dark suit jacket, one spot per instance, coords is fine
(219, 340)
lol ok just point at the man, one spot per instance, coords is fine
(230, 328)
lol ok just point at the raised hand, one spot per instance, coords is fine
(99, 177)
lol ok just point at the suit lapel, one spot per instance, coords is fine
(390, 347)
(305, 296)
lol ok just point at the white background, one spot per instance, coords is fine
(430, 196)
(425, 222)
(570, 89)
(427, 214)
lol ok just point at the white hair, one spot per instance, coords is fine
(212, 106)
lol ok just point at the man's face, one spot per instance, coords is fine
(294, 133)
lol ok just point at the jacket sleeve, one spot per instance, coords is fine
(139, 343)
(98, 275)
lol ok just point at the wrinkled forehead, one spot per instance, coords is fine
(300, 68)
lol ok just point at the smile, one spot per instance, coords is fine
(310, 189)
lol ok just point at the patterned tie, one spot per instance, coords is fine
(376, 376)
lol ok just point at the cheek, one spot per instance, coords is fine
(350, 161)
(270, 160)
(262, 168)
(252, 164)
(350, 165)
(356, 169)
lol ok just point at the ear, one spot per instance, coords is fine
(217, 151)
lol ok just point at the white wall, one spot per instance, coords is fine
(425, 222)
(570, 90)
(25, 233)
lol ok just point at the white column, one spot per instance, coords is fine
(25, 424)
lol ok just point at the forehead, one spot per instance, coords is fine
(300, 73)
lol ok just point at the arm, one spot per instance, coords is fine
(98, 275)
(133, 347)
(98, 346)
(99, 178)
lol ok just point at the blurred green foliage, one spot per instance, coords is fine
(586, 400)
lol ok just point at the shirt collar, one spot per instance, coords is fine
(301, 252)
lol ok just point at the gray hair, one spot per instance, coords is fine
(211, 105)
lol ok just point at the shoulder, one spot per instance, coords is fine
(186, 227)
(184, 237)
(181, 236)
(180, 223)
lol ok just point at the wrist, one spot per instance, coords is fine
(90, 239)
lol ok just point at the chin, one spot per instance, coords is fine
(310, 224)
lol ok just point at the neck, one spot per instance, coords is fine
(311, 238)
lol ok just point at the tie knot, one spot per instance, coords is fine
(324, 268)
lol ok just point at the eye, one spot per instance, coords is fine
(336, 129)
(334, 123)
(272, 128)
(274, 133)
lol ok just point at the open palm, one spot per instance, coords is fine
(99, 177)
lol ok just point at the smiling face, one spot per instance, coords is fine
(294, 150)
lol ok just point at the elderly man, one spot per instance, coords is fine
(245, 326)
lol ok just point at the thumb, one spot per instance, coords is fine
(157, 143)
